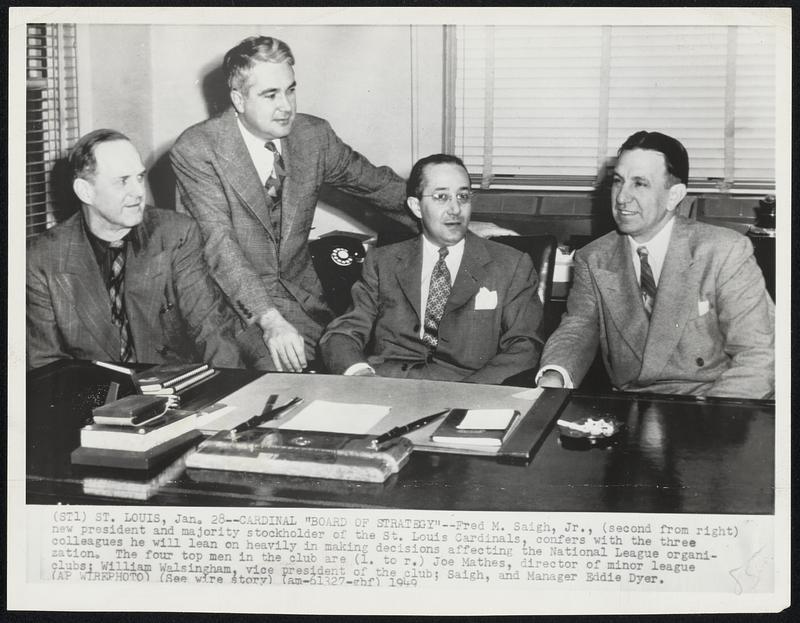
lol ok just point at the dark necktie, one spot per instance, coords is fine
(647, 282)
(438, 294)
(274, 186)
(116, 290)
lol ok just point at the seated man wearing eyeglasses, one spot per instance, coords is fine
(447, 305)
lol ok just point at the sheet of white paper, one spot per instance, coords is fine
(529, 394)
(337, 417)
(487, 419)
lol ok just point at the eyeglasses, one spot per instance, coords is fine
(462, 197)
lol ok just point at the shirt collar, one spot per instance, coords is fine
(658, 244)
(432, 250)
(100, 246)
(254, 143)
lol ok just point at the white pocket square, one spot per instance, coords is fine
(486, 299)
(702, 308)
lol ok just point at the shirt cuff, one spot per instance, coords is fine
(568, 384)
(358, 367)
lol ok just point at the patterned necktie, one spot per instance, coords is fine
(274, 186)
(647, 282)
(438, 294)
(116, 290)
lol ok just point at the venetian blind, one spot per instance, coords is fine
(51, 117)
(550, 105)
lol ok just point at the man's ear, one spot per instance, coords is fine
(237, 99)
(676, 194)
(84, 190)
(413, 205)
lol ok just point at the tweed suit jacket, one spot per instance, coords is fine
(175, 310)
(257, 268)
(712, 329)
(478, 342)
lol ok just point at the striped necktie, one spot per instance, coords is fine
(116, 291)
(647, 282)
(274, 186)
(438, 294)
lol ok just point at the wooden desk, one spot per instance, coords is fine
(677, 455)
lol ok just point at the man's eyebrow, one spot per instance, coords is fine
(276, 89)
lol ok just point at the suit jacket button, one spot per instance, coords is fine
(416, 328)
(404, 367)
(699, 361)
(163, 350)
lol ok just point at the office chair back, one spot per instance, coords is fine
(338, 261)
(542, 249)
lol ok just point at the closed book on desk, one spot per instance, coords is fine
(139, 438)
(167, 375)
(302, 453)
(476, 427)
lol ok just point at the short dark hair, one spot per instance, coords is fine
(416, 179)
(82, 161)
(675, 156)
(241, 58)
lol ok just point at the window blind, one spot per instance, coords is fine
(550, 105)
(51, 118)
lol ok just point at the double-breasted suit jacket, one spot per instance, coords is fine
(712, 327)
(257, 268)
(175, 310)
(488, 332)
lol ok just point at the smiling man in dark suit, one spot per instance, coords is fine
(675, 305)
(446, 305)
(121, 282)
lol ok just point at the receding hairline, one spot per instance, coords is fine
(670, 179)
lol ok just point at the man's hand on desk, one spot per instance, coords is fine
(489, 230)
(551, 378)
(285, 344)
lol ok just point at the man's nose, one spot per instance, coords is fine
(623, 195)
(453, 206)
(136, 187)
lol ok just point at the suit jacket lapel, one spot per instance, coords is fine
(471, 274)
(675, 299)
(144, 270)
(621, 296)
(240, 171)
(82, 284)
(408, 269)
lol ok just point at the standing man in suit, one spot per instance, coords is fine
(676, 306)
(251, 177)
(121, 282)
(446, 305)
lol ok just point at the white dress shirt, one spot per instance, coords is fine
(656, 253)
(262, 157)
(430, 255)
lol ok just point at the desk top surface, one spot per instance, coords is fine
(676, 454)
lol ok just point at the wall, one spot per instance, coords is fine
(154, 81)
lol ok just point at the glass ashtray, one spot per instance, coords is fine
(589, 432)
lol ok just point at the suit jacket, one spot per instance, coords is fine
(257, 268)
(175, 310)
(477, 345)
(711, 331)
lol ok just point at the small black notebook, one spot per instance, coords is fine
(476, 427)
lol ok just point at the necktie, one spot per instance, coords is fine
(274, 186)
(438, 294)
(647, 282)
(116, 290)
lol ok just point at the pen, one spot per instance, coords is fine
(267, 414)
(111, 366)
(402, 430)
